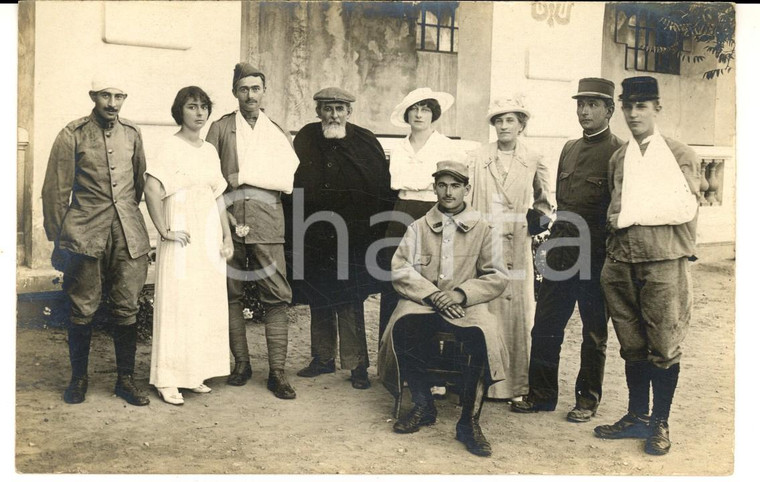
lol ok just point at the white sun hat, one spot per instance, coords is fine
(445, 99)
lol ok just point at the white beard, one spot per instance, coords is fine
(334, 131)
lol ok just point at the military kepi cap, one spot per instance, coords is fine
(595, 87)
(244, 69)
(453, 168)
(334, 94)
(636, 89)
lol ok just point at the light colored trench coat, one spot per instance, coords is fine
(433, 256)
(505, 206)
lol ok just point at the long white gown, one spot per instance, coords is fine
(190, 322)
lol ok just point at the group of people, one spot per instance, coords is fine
(443, 235)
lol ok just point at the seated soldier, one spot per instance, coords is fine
(445, 271)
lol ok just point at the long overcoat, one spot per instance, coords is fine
(338, 186)
(505, 206)
(432, 258)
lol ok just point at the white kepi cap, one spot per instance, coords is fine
(102, 82)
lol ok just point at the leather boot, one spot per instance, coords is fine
(423, 413)
(632, 425)
(240, 374)
(468, 427)
(360, 378)
(664, 382)
(278, 384)
(317, 367)
(658, 442)
(79, 353)
(126, 389)
(76, 390)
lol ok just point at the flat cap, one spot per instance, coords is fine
(595, 87)
(455, 169)
(334, 94)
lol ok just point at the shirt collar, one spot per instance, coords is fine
(596, 135)
(465, 220)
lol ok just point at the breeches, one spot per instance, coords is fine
(115, 272)
(650, 305)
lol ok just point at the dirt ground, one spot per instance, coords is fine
(331, 428)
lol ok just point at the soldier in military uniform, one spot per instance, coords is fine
(91, 195)
(258, 161)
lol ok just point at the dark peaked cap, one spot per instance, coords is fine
(637, 89)
(595, 87)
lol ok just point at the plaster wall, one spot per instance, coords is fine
(540, 50)
(129, 41)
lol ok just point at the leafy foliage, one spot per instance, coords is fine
(711, 25)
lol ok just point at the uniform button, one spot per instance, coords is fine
(334, 147)
(329, 164)
(110, 151)
(113, 167)
(327, 184)
(510, 236)
(508, 297)
(509, 265)
(108, 134)
(114, 184)
(115, 201)
(441, 275)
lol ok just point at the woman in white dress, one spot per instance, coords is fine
(183, 190)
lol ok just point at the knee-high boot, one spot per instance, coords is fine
(79, 355)
(125, 345)
(423, 412)
(664, 382)
(472, 397)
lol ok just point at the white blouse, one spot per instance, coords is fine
(412, 173)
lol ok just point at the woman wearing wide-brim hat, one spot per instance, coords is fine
(510, 180)
(412, 164)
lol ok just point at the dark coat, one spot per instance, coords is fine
(346, 179)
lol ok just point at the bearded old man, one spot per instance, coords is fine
(343, 179)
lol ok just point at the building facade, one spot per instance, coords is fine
(378, 50)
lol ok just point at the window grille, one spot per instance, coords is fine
(649, 47)
(437, 27)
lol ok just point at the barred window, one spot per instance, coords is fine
(437, 27)
(649, 47)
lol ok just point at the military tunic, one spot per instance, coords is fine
(93, 187)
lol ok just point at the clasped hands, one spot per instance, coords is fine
(448, 302)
